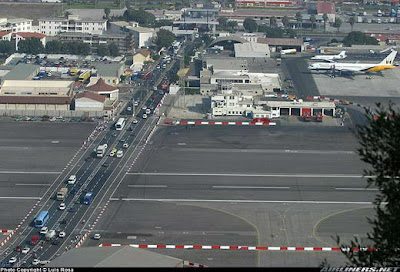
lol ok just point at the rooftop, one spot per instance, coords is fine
(114, 257)
(3, 33)
(59, 87)
(140, 29)
(281, 41)
(30, 35)
(326, 7)
(101, 86)
(251, 49)
(108, 70)
(226, 63)
(22, 71)
(92, 96)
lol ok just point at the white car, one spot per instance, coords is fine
(144, 107)
(125, 145)
(12, 260)
(144, 116)
(25, 250)
(135, 121)
(120, 153)
(44, 230)
(62, 234)
(128, 108)
(97, 236)
(112, 154)
(72, 179)
(62, 206)
(136, 103)
(35, 261)
(148, 111)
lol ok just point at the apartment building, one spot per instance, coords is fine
(55, 26)
(16, 25)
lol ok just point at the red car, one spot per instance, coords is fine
(18, 249)
(34, 240)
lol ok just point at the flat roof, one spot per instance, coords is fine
(22, 71)
(108, 70)
(251, 49)
(29, 88)
(283, 104)
(140, 29)
(281, 41)
(226, 63)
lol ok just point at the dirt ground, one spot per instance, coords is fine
(30, 10)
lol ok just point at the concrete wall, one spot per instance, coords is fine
(51, 113)
(56, 107)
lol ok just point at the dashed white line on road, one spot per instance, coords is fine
(20, 197)
(28, 172)
(33, 184)
(249, 187)
(357, 189)
(148, 186)
(253, 175)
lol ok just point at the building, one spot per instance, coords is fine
(141, 36)
(386, 39)
(166, 14)
(96, 14)
(21, 71)
(36, 95)
(327, 8)
(299, 107)
(265, 3)
(88, 101)
(16, 25)
(101, 88)
(123, 41)
(251, 50)
(240, 15)
(139, 58)
(283, 43)
(5, 35)
(55, 26)
(26, 35)
(110, 73)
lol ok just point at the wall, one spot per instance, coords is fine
(51, 113)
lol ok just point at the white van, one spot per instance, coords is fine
(72, 179)
(120, 153)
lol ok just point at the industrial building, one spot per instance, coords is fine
(251, 50)
(21, 71)
(110, 73)
(141, 36)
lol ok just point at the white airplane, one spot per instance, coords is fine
(330, 58)
(387, 63)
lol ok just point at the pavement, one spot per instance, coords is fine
(281, 186)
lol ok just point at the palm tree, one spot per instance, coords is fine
(299, 18)
(325, 18)
(338, 23)
(312, 20)
(352, 21)
(285, 21)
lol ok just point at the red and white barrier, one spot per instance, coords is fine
(220, 123)
(262, 248)
(187, 263)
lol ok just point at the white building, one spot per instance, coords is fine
(26, 35)
(16, 25)
(54, 26)
(251, 50)
(142, 36)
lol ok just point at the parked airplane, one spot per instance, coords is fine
(387, 63)
(330, 58)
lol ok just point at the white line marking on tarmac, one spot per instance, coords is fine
(20, 197)
(29, 172)
(148, 186)
(181, 143)
(254, 175)
(33, 184)
(247, 201)
(248, 187)
(357, 189)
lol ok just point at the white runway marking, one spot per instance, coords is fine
(20, 197)
(248, 187)
(357, 189)
(148, 186)
(247, 201)
(29, 172)
(254, 175)
(33, 184)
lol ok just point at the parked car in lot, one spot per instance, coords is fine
(62, 206)
(25, 250)
(18, 249)
(97, 236)
(12, 260)
(35, 261)
(44, 230)
(144, 116)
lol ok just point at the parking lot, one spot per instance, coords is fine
(33, 155)
(283, 186)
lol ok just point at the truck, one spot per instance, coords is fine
(288, 51)
(101, 150)
(62, 193)
(50, 235)
(85, 75)
(88, 198)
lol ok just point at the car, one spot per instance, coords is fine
(144, 107)
(125, 145)
(62, 206)
(114, 134)
(106, 164)
(136, 103)
(135, 121)
(148, 111)
(122, 140)
(72, 179)
(120, 153)
(88, 159)
(63, 222)
(114, 150)
(44, 262)
(25, 250)
(129, 109)
(111, 154)
(55, 242)
(72, 209)
(73, 191)
(12, 260)
(44, 230)
(97, 236)
(144, 116)
(158, 67)
(35, 261)
(18, 249)
(62, 234)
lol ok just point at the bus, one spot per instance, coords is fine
(84, 76)
(42, 219)
(120, 124)
(88, 198)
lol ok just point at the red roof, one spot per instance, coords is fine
(30, 35)
(384, 37)
(144, 52)
(3, 33)
(93, 96)
(326, 7)
(101, 86)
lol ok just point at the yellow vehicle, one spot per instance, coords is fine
(84, 76)
(114, 150)
(73, 71)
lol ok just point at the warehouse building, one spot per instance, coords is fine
(21, 72)
(110, 73)
(251, 50)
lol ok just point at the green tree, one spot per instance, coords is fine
(107, 13)
(325, 18)
(53, 47)
(30, 46)
(6, 47)
(140, 16)
(164, 38)
(222, 23)
(299, 19)
(358, 37)
(83, 49)
(352, 21)
(271, 32)
(273, 21)
(291, 33)
(232, 25)
(380, 148)
(114, 50)
(102, 50)
(285, 21)
(338, 23)
(313, 19)
(250, 25)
